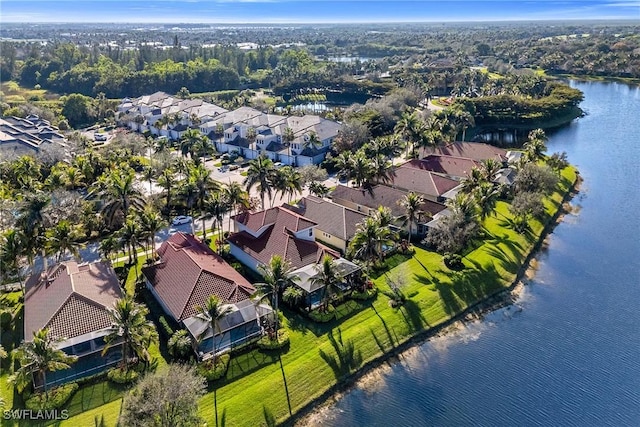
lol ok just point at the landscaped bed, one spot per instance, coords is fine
(323, 355)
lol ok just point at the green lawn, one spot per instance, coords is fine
(322, 355)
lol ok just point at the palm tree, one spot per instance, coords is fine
(464, 206)
(535, 146)
(276, 276)
(471, 182)
(381, 168)
(130, 329)
(216, 205)
(235, 197)
(411, 203)
(260, 174)
(312, 141)
(32, 221)
(131, 235)
(328, 277)
(118, 192)
(486, 197)
(40, 356)
(211, 313)
(62, 239)
(287, 138)
(292, 181)
(369, 240)
(408, 128)
(204, 185)
(343, 162)
(109, 245)
(150, 223)
(188, 140)
(318, 189)
(490, 168)
(167, 180)
(362, 170)
(11, 250)
(384, 216)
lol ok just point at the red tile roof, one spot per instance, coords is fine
(278, 238)
(446, 165)
(470, 150)
(189, 272)
(256, 220)
(70, 299)
(421, 181)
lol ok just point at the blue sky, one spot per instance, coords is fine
(312, 11)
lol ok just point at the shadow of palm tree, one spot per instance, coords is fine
(347, 358)
(413, 315)
(387, 330)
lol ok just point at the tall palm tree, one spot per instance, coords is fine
(109, 245)
(287, 138)
(236, 197)
(369, 239)
(150, 223)
(328, 277)
(119, 194)
(312, 141)
(490, 168)
(318, 189)
(212, 311)
(408, 128)
(62, 238)
(167, 181)
(381, 168)
(535, 146)
(11, 250)
(130, 329)
(131, 235)
(384, 216)
(188, 140)
(292, 181)
(343, 162)
(32, 221)
(204, 185)
(362, 169)
(260, 174)
(216, 205)
(464, 206)
(40, 356)
(412, 205)
(471, 182)
(486, 197)
(276, 276)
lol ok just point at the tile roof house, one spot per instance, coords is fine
(368, 200)
(448, 166)
(430, 185)
(280, 231)
(187, 273)
(471, 150)
(20, 136)
(336, 224)
(72, 301)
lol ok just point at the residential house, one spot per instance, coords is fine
(367, 201)
(71, 300)
(20, 136)
(448, 166)
(187, 273)
(280, 231)
(429, 185)
(470, 150)
(336, 224)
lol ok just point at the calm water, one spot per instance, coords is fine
(571, 355)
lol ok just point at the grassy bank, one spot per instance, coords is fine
(322, 358)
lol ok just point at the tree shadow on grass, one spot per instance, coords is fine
(347, 358)
(412, 314)
(245, 363)
(391, 337)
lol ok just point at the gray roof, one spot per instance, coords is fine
(308, 272)
(332, 218)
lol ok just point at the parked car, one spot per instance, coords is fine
(233, 167)
(97, 136)
(182, 219)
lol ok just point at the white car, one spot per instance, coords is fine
(182, 219)
(100, 136)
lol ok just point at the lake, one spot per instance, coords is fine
(568, 354)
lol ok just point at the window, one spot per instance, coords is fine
(310, 232)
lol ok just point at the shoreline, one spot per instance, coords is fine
(371, 372)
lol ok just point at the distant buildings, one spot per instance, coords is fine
(30, 135)
(247, 131)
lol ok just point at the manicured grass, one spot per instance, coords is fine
(320, 356)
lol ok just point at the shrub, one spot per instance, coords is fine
(268, 343)
(165, 326)
(57, 398)
(213, 372)
(323, 317)
(122, 376)
(453, 261)
(365, 295)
